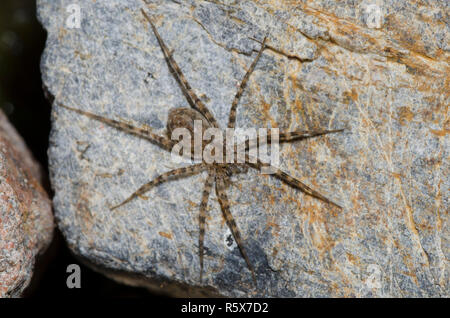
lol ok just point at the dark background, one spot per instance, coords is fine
(22, 40)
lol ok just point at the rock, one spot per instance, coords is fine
(26, 219)
(378, 69)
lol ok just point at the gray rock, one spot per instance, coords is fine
(26, 219)
(381, 72)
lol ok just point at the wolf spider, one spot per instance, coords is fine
(217, 173)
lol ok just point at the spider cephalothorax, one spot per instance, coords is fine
(218, 174)
(187, 118)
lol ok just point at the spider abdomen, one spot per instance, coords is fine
(185, 118)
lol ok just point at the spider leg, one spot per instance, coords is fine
(225, 207)
(202, 217)
(283, 176)
(173, 174)
(232, 117)
(188, 92)
(290, 136)
(161, 141)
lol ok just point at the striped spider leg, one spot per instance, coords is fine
(286, 178)
(188, 92)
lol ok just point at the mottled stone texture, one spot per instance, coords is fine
(378, 68)
(26, 219)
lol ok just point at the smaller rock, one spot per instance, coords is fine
(26, 220)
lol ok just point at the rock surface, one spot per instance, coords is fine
(26, 219)
(379, 69)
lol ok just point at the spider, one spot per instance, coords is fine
(218, 174)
